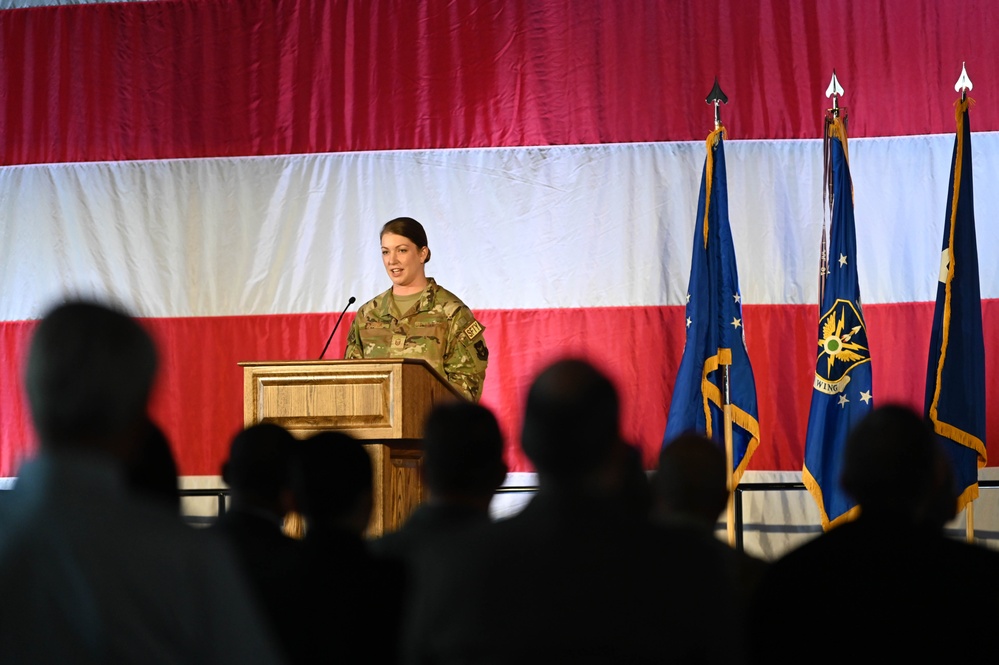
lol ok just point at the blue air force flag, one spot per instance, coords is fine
(841, 388)
(714, 328)
(955, 375)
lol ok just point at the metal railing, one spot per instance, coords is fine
(222, 494)
(740, 525)
(784, 487)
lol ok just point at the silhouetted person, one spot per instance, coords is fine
(888, 586)
(89, 573)
(152, 470)
(258, 472)
(635, 488)
(579, 575)
(691, 492)
(894, 468)
(462, 467)
(354, 598)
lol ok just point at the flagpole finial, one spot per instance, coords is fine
(717, 97)
(835, 90)
(963, 84)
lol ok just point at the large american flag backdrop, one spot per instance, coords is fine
(222, 168)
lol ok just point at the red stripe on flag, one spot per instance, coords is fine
(199, 396)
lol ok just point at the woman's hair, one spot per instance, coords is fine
(410, 229)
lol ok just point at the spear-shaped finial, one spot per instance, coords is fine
(835, 90)
(717, 97)
(963, 84)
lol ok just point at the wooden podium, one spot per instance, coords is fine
(383, 402)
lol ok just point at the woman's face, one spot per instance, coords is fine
(404, 263)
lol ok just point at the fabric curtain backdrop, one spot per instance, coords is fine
(222, 169)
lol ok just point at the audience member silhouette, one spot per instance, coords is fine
(635, 488)
(152, 470)
(258, 472)
(462, 467)
(888, 586)
(578, 576)
(88, 573)
(691, 492)
(354, 598)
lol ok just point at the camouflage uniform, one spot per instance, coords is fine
(439, 329)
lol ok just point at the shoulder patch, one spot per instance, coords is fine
(472, 329)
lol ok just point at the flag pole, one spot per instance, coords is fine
(834, 91)
(962, 86)
(724, 364)
(716, 97)
(964, 83)
(969, 521)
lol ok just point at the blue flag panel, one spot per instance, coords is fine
(714, 327)
(842, 392)
(955, 374)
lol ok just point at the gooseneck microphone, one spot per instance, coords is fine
(335, 326)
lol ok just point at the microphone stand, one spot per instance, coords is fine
(335, 326)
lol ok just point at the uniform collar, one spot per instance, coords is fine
(424, 304)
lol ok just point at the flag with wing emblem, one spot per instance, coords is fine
(955, 376)
(842, 385)
(714, 327)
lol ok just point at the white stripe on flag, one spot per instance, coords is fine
(572, 226)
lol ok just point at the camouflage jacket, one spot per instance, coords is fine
(439, 328)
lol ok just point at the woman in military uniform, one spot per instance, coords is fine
(416, 318)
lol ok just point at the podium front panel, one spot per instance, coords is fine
(310, 401)
(382, 402)
(369, 399)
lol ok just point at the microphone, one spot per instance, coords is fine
(335, 326)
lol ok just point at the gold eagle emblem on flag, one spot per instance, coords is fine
(843, 346)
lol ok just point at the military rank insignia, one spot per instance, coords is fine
(843, 346)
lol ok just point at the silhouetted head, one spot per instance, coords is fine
(691, 482)
(334, 483)
(259, 464)
(463, 451)
(893, 466)
(89, 374)
(571, 419)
